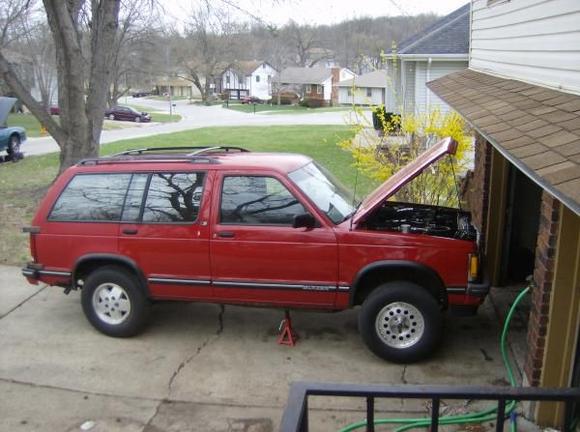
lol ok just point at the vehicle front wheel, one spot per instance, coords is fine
(137, 119)
(114, 303)
(13, 149)
(401, 322)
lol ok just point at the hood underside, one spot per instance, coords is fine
(404, 176)
(6, 104)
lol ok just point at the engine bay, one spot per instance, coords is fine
(422, 219)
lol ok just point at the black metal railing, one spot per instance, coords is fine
(295, 418)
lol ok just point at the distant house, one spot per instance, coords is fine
(177, 87)
(248, 78)
(367, 89)
(315, 83)
(440, 49)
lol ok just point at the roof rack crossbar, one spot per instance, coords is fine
(197, 150)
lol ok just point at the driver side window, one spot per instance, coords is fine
(254, 200)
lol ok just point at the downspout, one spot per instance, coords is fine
(403, 86)
(427, 79)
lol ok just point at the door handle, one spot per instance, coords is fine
(130, 231)
(225, 234)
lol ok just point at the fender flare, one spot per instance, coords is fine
(112, 258)
(430, 279)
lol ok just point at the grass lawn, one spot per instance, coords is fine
(166, 98)
(32, 125)
(23, 184)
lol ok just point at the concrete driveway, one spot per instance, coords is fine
(199, 367)
(196, 116)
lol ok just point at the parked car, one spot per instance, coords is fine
(54, 110)
(126, 113)
(141, 93)
(223, 225)
(251, 100)
(11, 138)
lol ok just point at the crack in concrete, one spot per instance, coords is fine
(148, 425)
(403, 379)
(197, 402)
(23, 302)
(199, 349)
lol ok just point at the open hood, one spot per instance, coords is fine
(404, 176)
(6, 104)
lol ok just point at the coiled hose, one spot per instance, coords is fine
(476, 417)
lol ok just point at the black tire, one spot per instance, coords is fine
(114, 291)
(401, 322)
(13, 149)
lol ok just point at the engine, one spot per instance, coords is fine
(418, 218)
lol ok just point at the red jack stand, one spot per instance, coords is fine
(287, 334)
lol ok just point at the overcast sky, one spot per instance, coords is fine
(278, 12)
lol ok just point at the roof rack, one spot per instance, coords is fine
(197, 150)
(150, 155)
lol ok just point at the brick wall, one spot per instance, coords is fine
(335, 79)
(477, 190)
(543, 278)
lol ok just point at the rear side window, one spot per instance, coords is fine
(92, 197)
(173, 197)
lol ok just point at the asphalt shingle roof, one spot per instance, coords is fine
(376, 79)
(535, 128)
(304, 75)
(449, 35)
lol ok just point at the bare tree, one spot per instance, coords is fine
(210, 41)
(83, 32)
(304, 42)
(137, 31)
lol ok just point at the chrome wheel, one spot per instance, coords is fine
(111, 303)
(400, 325)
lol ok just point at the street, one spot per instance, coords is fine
(195, 116)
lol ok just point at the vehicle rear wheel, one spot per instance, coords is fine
(111, 116)
(114, 303)
(401, 322)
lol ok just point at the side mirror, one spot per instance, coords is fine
(305, 220)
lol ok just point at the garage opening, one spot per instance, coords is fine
(522, 221)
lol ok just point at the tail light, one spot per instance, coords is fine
(33, 230)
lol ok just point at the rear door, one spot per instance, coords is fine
(256, 254)
(164, 229)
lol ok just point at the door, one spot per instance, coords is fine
(164, 229)
(256, 254)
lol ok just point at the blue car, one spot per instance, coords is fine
(11, 138)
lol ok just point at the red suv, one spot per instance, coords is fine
(224, 225)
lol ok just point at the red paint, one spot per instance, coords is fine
(257, 264)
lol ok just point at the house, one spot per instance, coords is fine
(177, 87)
(521, 96)
(248, 78)
(316, 84)
(366, 89)
(440, 49)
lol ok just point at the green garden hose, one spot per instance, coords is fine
(476, 417)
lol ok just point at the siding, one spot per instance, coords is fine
(360, 96)
(537, 41)
(425, 99)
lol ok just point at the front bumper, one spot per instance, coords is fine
(479, 289)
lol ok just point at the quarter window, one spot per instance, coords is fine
(92, 197)
(257, 200)
(173, 197)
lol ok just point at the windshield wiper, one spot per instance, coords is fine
(351, 214)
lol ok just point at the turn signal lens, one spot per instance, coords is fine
(473, 267)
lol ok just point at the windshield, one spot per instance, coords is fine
(325, 191)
